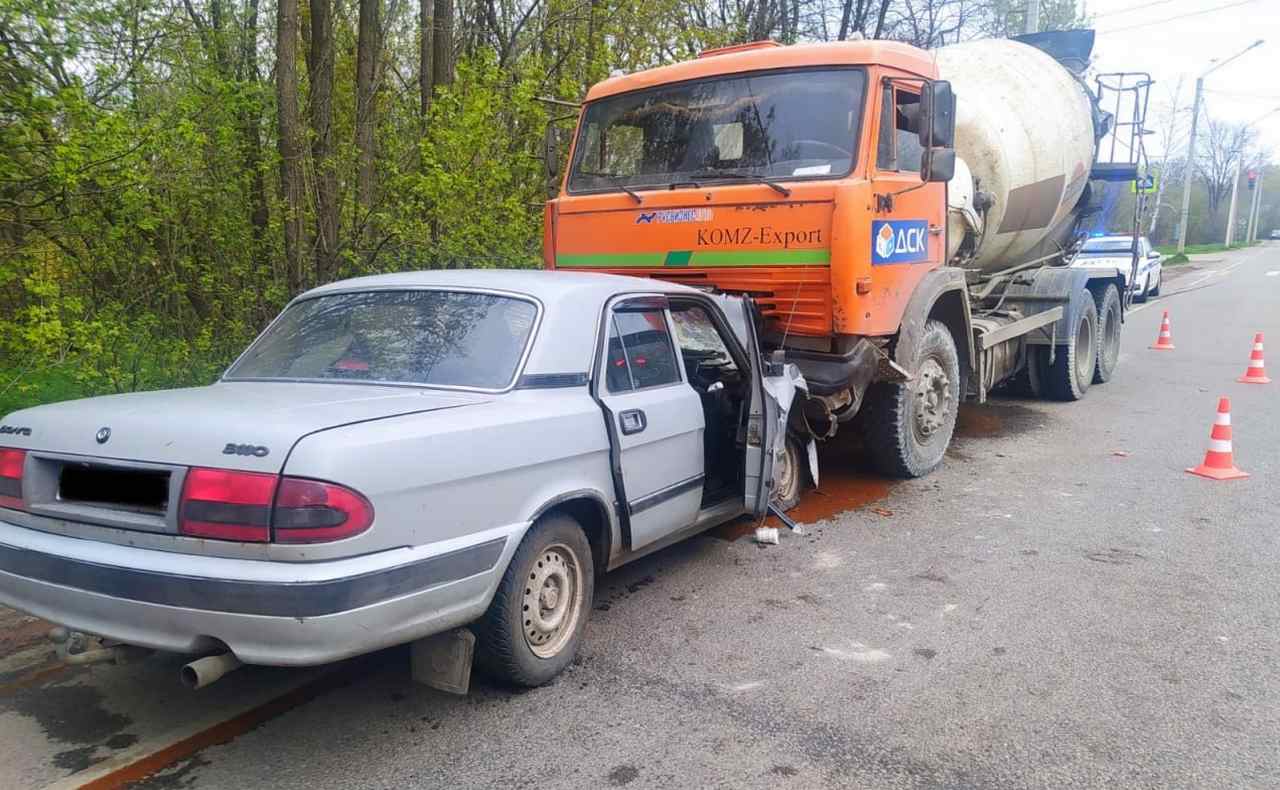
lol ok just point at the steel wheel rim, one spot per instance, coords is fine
(1084, 350)
(552, 601)
(932, 395)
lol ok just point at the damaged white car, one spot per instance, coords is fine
(395, 457)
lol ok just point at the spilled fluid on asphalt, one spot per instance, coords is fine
(845, 485)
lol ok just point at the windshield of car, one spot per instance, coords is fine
(1107, 247)
(434, 338)
(777, 125)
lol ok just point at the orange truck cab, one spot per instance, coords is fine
(814, 179)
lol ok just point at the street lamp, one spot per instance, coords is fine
(1191, 144)
(1235, 187)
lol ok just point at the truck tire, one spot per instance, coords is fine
(534, 624)
(1108, 335)
(1071, 373)
(908, 426)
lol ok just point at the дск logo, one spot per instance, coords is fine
(899, 241)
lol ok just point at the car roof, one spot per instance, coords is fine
(1112, 238)
(572, 304)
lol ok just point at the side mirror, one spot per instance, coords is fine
(938, 164)
(1153, 254)
(551, 150)
(937, 115)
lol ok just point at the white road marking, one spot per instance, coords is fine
(860, 653)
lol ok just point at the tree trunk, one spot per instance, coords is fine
(442, 45)
(290, 142)
(320, 66)
(426, 37)
(249, 121)
(368, 56)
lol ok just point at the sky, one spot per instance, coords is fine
(1149, 38)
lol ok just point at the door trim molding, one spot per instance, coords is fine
(663, 494)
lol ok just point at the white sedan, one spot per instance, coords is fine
(1116, 252)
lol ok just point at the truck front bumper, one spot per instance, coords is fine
(277, 613)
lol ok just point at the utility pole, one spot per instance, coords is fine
(1235, 190)
(1190, 165)
(1254, 210)
(1033, 17)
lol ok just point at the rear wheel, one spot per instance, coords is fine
(532, 629)
(909, 425)
(1108, 335)
(1071, 373)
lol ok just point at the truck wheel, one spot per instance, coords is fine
(532, 629)
(1069, 376)
(1108, 335)
(909, 425)
(790, 475)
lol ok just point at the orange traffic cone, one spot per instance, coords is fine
(1257, 372)
(1218, 463)
(1165, 341)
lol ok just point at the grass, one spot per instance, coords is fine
(20, 388)
(1197, 249)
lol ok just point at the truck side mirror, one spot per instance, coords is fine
(937, 115)
(551, 150)
(938, 164)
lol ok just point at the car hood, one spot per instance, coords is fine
(224, 425)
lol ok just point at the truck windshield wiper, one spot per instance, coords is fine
(756, 177)
(616, 180)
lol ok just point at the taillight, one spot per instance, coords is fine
(11, 463)
(251, 506)
(227, 505)
(310, 511)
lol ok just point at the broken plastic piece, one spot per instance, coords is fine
(767, 535)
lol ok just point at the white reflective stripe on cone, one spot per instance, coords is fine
(1223, 418)
(1219, 445)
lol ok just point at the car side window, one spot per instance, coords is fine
(639, 340)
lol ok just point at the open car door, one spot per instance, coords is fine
(773, 391)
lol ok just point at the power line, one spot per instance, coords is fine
(1179, 16)
(1119, 11)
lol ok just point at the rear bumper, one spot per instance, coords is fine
(265, 612)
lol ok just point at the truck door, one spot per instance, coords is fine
(656, 420)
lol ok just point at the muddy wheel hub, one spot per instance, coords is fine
(933, 399)
(551, 601)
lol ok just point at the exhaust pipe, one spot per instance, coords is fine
(203, 671)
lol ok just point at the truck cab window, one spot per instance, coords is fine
(898, 146)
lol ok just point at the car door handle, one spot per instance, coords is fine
(632, 421)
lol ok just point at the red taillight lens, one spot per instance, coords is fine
(310, 511)
(11, 463)
(227, 505)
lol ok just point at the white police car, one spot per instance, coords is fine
(1116, 252)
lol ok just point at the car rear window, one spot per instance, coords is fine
(429, 337)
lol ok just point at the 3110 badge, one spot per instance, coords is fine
(899, 241)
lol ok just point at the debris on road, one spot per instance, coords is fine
(767, 535)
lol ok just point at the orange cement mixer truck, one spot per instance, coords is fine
(904, 220)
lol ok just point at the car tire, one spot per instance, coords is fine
(1071, 373)
(791, 477)
(552, 572)
(908, 425)
(1108, 305)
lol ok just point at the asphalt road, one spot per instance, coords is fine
(1060, 605)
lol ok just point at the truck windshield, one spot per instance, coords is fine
(433, 338)
(779, 125)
